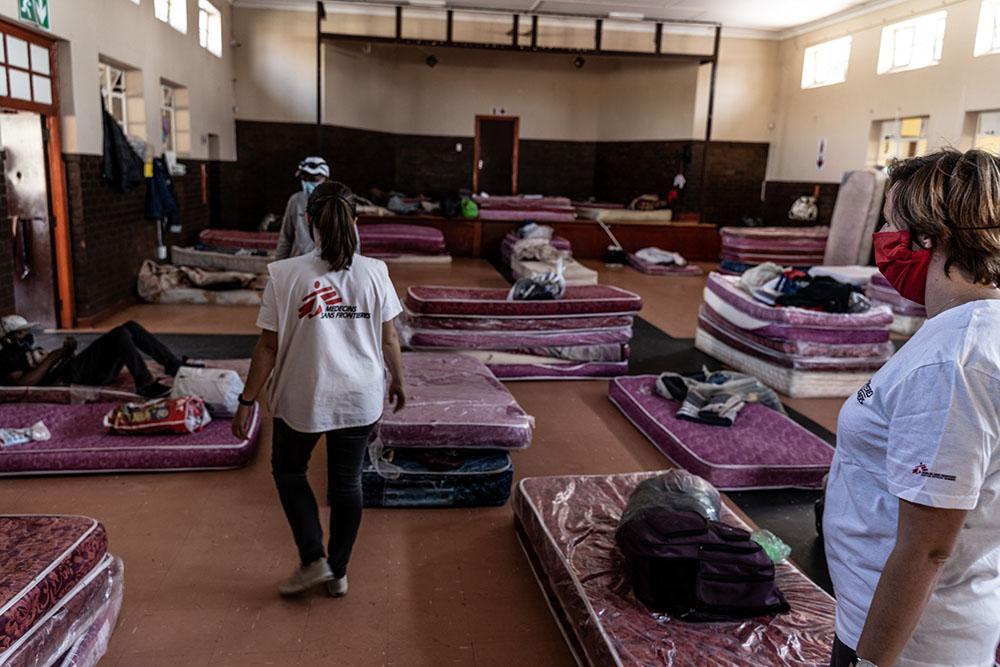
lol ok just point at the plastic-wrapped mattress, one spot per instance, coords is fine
(625, 216)
(763, 449)
(436, 478)
(469, 324)
(80, 443)
(574, 272)
(567, 526)
(519, 208)
(641, 265)
(454, 401)
(219, 261)
(511, 340)
(907, 316)
(578, 301)
(507, 246)
(541, 370)
(234, 238)
(57, 583)
(855, 216)
(400, 238)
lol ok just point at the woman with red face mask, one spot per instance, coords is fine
(912, 518)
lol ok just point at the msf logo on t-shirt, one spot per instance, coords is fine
(865, 393)
(314, 303)
(924, 471)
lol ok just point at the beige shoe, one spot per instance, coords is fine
(306, 577)
(337, 588)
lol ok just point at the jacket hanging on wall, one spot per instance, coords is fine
(120, 166)
(161, 202)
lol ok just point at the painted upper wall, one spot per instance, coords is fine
(844, 114)
(131, 35)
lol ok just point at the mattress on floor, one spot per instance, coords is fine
(625, 216)
(855, 215)
(234, 238)
(401, 238)
(567, 527)
(763, 449)
(436, 478)
(43, 558)
(584, 300)
(219, 261)
(788, 381)
(563, 324)
(198, 296)
(649, 268)
(530, 215)
(453, 400)
(574, 272)
(76, 630)
(523, 203)
(409, 258)
(511, 340)
(80, 443)
(558, 370)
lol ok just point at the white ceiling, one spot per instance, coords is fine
(768, 16)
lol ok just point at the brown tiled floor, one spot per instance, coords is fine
(203, 551)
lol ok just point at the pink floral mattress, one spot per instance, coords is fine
(808, 245)
(521, 203)
(649, 268)
(580, 300)
(763, 449)
(80, 444)
(785, 259)
(775, 233)
(882, 291)
(401, 238)
(559, 371)
(567, 526)
(455, 401)
(532, 215)
(513, 340)
(234, 238)
(528, 325)
(44, 557)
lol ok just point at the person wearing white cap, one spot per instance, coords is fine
(295, 238)
(24, 364)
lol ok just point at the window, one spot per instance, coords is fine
(988, 32)
(209, 27)
(825, 64)
(114, 92)
(912, 44)
(902, 138)
(175, 118)
(988, 132)
(25, 72)
(173, 12)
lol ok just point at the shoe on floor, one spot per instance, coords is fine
(306, 577)
(154, 390)
(337, 588)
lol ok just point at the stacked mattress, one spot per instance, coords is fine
(235, 238)
(763, 449)
(907, 316)
(585, 334)
(60, 590)
(567, 527)
(798, 352)
(81, 444)
(524, 209)
(403, 243)
(449, 447)
(787, 246)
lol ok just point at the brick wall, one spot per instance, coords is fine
(780, 195)
(6, 253)
(111, 235)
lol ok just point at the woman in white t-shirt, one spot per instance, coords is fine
(327, 332)
(912, 520)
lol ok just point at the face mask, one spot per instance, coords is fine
(308, 187)
(903, 267)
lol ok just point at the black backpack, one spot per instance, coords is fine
(679, 562)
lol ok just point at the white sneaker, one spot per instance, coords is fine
(306, 577)
(337, 588)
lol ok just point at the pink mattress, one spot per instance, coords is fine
(488, 324)
(532, 215)
(401, 238)
(44, 558)
(80, 444)
(763, 449)
(521, 203)
(507, 246)
(567, 527)
(785, 259)
(91, 646)
(790, 245)
(233, 238)
(513, 340)
(559, 371)
(581, 300)
(643, 266)
(776, 233)
(881, 290)
(455, 401)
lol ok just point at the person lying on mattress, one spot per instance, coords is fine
(327, 333)
(295, 239)
(23, 364)
(912, 518)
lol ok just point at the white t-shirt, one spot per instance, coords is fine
(329, 372)
(926, 429)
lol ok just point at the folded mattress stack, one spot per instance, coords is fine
(585, 334)
(524, 209)
(798, 352)
(449, 447)
(60, 590)
(787, 246)
(907, 316)
(403, 243)
(567, 528)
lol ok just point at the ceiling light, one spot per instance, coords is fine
(623, 16)
(428, 3)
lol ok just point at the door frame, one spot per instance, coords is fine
(56, 172)
(514, 158)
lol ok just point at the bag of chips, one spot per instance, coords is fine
(185, 414)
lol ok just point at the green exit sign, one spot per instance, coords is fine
(35, 12)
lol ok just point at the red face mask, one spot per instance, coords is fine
(903, 267)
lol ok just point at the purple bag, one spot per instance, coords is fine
(679, 562)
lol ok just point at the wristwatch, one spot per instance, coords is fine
(244, 402)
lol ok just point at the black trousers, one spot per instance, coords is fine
(345, 451)
(101, 362)
(843, 655)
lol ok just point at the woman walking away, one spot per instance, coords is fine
(912, 520)
(327, 332)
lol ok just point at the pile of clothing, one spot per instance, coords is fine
(715, 398)
(524, 208)
(907, 316)
(804, 335)
(534, 249)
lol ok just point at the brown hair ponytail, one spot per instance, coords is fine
(332, 211)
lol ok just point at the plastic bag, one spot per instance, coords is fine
(219, 388)
(677, 491)
(772, 545)
(18, 436)
(186, 414)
